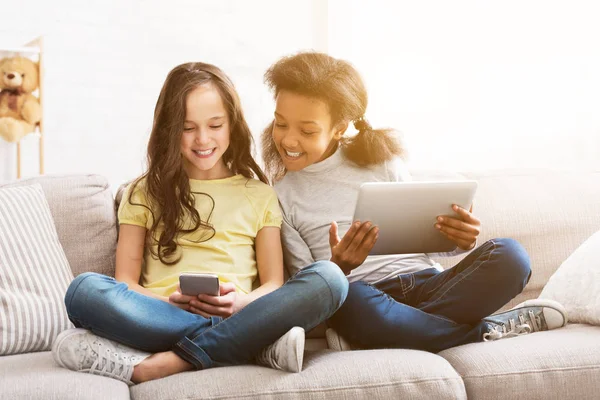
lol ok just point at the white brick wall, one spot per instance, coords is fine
(105, 62)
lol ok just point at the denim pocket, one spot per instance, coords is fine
(407, 283)
(397, 287)
(406, 288)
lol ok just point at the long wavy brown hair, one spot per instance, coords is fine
(167, 187)
(339, 85)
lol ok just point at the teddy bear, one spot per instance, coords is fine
(20, 111)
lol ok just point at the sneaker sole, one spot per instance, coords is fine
(332, 340)
(298, 336)
(60, 339)
(335, 342)
(546, 303)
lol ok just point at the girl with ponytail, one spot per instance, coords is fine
(403, 300)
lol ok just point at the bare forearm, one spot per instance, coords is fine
(258, 292)
(146, 292)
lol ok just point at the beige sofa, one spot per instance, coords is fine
(550, 213)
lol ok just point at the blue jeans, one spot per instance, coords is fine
(106, 307)
(432, 310)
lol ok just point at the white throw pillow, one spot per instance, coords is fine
(34, 273)
(576, 283)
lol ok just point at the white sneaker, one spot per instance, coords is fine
(286, 354)
(336, 342)
(80, 350)
(530, 316)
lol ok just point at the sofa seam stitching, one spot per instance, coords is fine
(315, 390)
(535, 371)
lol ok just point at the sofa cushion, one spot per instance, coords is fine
(372, 374)
(549, 212)
(82, 207)
(560, 364)
(576, 284)
(34, 273)
(36, 376)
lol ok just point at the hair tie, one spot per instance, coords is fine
(361, 125)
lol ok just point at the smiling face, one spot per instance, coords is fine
(302, 130)
(205, 135)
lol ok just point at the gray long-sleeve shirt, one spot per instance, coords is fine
(327, 191)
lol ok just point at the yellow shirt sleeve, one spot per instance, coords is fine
(272, 212)
(134, 211)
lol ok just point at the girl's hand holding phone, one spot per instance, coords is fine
(180, 300)
(352, 250)
(463, 231)
(224, 305)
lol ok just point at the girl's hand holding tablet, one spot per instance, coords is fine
(463, 231)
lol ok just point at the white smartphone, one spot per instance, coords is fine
(193, 284)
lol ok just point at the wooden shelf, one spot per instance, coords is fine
(26, 50)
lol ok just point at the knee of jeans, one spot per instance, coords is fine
(335, 279)
(83, 284)
(355, 298)
(354, 319)
(514, 259)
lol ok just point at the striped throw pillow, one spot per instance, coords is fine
(34, 273)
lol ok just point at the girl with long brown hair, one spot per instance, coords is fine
(400, 300)
(203, 206)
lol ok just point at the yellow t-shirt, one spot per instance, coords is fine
(242, 207)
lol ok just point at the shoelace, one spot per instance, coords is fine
(111, 365)
(524, 327)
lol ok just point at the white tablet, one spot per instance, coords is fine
(406, 213)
